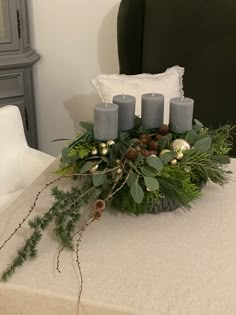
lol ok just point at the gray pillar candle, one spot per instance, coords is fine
(126, 104)
(181, 114)
(152, 112)
(106, 121)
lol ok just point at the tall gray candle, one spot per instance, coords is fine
(181, 114)
(106, 121)
(126, 105)
(152, 112)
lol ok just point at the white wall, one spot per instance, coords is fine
(77, 41)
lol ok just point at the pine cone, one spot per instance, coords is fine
(145, 153)
(145, 139)
(159, 136)
(164, 129)
(132, 154)
(153, 145)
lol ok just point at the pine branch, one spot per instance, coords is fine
(39, 224)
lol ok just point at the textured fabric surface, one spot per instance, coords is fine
(177, 263)
(197, 35)
(7, 199)
(168, 83)
(19, 164)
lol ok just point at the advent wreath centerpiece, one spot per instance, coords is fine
(142, 171)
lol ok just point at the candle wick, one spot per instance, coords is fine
(123, 95)
(153, 94)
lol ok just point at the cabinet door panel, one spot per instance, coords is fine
(9, 37)
(11, 84)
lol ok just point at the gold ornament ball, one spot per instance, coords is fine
(148, 189)
(180, 145)
(94, 152)
(103, 145)
(93, 169)
(118, 161)
(110, 142)
(164, 151)
(179, 156)
(104, 151)
(173, 162)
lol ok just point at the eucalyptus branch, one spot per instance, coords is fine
(91, 174)
(118, 189)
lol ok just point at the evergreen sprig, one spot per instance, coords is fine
(65, 213)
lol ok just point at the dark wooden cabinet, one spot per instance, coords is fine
(16, 61)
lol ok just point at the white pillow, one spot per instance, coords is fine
(11, 178)
(168, 83)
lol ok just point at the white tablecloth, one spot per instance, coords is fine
(179, 263)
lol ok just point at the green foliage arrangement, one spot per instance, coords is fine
(142, 171)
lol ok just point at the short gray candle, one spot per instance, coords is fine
(181, 114)
(126, 104)
(152, 112)
(106, 121)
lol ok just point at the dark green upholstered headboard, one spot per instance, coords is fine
(199, 35)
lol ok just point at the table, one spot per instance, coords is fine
(180, 263)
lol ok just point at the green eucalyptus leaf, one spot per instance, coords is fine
(192, 136)
(136, 192)
(151, 183)
(99, 179)
(148, 171)
(155, 162)
(167, 157)
(132, 178)
(198, 123)
(203, 144)
(165, 141)
(86, 167)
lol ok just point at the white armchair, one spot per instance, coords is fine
(19, 164)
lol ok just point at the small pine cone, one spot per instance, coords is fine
(159, 136)
(100, 204)
(164, 129)
(145, 153)
(145, 139)
(153, 152)
(132, 154)
(153, 145)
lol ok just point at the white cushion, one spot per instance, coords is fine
(19, 164)
(32, 163)
(168, 83)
